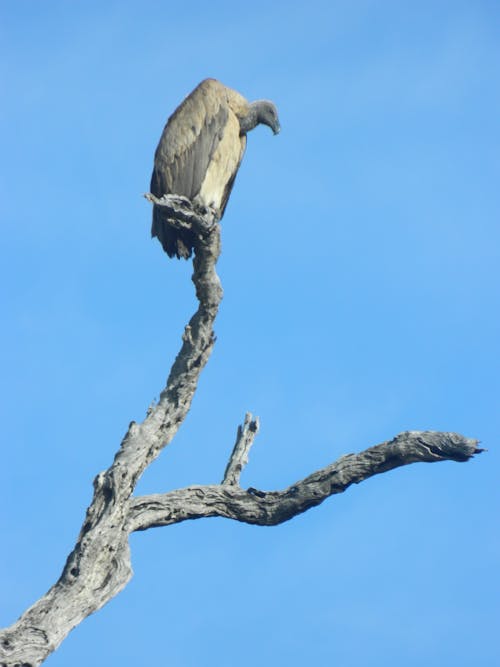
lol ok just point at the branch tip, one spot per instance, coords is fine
(245, 435)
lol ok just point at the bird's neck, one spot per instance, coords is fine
(251, 119)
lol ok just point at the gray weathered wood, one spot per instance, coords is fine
(269, 508)
(239, 456)
(99, 565)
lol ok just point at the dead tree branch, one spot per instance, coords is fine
(269, 508)
(239, 456)
(99, 565)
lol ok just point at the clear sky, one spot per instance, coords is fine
(361, 254)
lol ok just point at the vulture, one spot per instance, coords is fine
(200, 151)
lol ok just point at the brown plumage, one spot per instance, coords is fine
(200, 151)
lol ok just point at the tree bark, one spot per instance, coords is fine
(99, 565)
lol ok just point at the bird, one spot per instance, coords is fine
(199, 154)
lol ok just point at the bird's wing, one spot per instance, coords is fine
(230, 183)
(223, 166)
(189, 141)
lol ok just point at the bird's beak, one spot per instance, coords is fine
(276, 128)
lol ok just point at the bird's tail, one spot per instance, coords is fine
(176, 243)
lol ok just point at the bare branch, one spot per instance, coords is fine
(239, 457)
(268, 508)
(181, 213)
(99, 566)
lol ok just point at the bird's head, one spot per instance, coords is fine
(267, 114)
(260, 112)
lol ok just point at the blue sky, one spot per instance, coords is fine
(360, 268)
